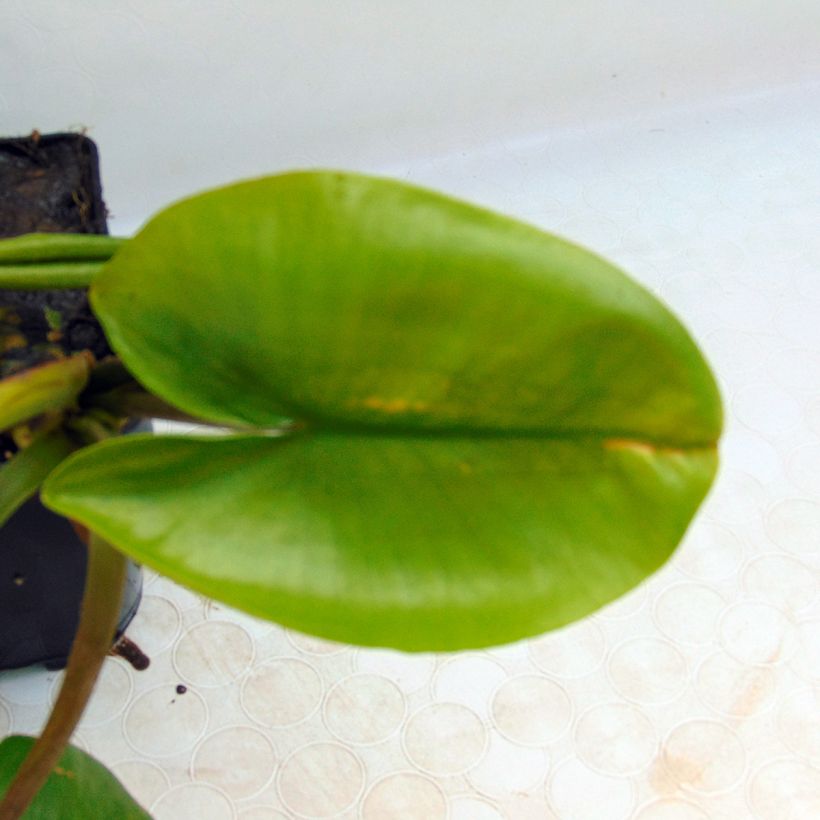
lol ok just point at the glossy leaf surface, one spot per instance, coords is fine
(347, 299)
(503, 432)
(418, 542)
(78, 789)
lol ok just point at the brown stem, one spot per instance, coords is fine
(131, 400)
(105, 580)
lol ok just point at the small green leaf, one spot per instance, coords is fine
(503, 432)
(25, 472)
(50, 386)
(53, 317)
(79, 787)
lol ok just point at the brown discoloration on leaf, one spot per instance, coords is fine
(393, 406)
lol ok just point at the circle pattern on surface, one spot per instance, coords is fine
(578, 792)
(213, 653)
(531, 710)
(406, 795)
(647, 670)
(615, 739)
(160, 724)
(704, 756)
(193, 800)
(444, 739)
(364, 709)
(238, 760)
(281, 692)
(320, 780)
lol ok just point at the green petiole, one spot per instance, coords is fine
(44, 261)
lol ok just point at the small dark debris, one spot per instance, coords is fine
(127, 650)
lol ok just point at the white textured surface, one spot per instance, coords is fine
(686, 147)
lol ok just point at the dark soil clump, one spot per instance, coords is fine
(51, 184)
(48, 184)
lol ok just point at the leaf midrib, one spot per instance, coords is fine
(612, 439)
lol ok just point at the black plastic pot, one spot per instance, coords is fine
(42, 575)
(49, 184)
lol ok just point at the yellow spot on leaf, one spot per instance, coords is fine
(642, 447)
(59, 770)
(393, 405)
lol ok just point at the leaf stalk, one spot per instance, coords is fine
(105, 581)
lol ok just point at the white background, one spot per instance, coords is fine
(681, 140)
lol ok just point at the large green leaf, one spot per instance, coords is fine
(497, 431)
(350, 299)
(79, 788)
(420, 542)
